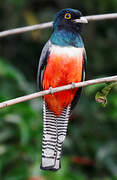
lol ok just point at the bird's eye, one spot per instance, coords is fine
(67, 16)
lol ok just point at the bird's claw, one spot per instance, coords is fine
(73, 85)
(51, 90)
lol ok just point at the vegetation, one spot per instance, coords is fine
(90, 149)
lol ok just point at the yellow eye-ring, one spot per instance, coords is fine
(67, 16)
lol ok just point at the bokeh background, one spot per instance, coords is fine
(90, 149)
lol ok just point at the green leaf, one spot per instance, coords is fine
(101, 97)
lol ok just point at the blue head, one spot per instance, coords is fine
(69, 20)
(67, 27)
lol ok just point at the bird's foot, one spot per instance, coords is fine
(73, 85)
(51, 90)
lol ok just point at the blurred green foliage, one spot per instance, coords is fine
(90, 149)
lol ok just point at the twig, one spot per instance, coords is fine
(58, 89)
(49, 24)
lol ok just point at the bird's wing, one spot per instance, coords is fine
(42, 63)
(77, 96)
(84, 64)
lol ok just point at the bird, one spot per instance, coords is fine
(62, 62)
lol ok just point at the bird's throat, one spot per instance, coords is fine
(65, 38)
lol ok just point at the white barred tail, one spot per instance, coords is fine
(54, 133)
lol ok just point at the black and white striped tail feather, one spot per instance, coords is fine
(62, 123)
(54, 133)
(49, 138)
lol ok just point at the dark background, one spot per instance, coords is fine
(90, 149)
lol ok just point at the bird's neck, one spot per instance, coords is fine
(66, 38)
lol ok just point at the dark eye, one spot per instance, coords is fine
(67, 16)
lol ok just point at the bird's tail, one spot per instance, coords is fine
(54, 133)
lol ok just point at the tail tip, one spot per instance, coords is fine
(51, 168)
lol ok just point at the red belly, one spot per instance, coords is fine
(61, 70)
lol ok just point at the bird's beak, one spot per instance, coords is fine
(81, 20)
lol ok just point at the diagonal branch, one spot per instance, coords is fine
(25, 29)
(57, 89)
(49, 24)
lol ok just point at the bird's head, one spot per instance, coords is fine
(69, 19)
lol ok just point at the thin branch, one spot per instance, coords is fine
(101, 17)
(49, 24)
(25, 29)
(57, 89)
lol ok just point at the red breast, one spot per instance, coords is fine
(62, 68)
